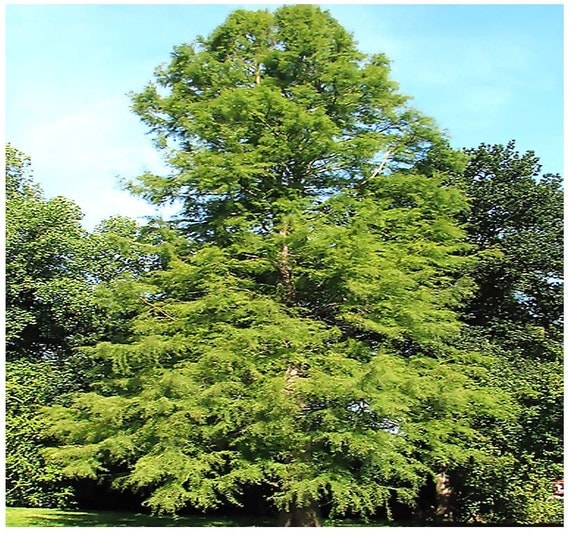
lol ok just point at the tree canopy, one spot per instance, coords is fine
(270, 110)
(519, 213)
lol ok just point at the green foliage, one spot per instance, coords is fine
(268, 110)
(45, 293)
(202, 404)
(30, 385)
(305, 338)
(516, 312)
(516, 487)
(19, 180)
(53, 266)
(509, 490)
(55, 277)
(519, 213)
(49, 306)
(343, 387)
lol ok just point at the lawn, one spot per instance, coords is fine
(44, 517)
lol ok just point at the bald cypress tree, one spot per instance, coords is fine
(302, 339)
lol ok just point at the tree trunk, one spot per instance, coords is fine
(308, 515)
(301, 516)
(444, 497)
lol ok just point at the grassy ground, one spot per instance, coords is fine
(43, 517)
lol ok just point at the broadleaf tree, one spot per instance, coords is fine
(516, 211)
(47, 299)
(49, 309)
(303, 338)
(55, 302)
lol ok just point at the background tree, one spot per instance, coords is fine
(48, 306)
(515, 220)
(53, 266)
(46, 295)
(520, 213)
(30, 385)
(304, 340)
(54, 304)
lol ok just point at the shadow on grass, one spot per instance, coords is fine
(37, 517)
(44, 517)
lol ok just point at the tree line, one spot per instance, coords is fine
(346, 317)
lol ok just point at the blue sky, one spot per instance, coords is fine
(486, 73)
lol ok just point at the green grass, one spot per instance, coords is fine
(44, 517)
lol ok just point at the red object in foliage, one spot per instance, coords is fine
(559, 489)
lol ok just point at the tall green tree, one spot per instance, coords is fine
(303, 339)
